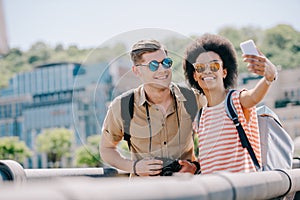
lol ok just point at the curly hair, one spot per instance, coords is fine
(221, 46)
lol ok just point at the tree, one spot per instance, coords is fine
(12, 148)
(176, 49)
(56, 143)
(88, 155)
(39, 53)
(196, 144)
(236, 36)
(282, 45)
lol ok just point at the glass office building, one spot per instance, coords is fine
(55, 95)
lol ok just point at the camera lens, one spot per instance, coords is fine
(169, 166)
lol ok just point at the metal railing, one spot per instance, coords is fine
(78, 184)
(12, 171)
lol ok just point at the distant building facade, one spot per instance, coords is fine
(55, 95)
(283, 98)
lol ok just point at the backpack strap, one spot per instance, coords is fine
(232, 114)
(198, 117)
(191, 103)
(127, 109)
(127, 103)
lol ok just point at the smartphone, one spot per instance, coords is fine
(248, 47)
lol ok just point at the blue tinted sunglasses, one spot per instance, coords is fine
(154, 64)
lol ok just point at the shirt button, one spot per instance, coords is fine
(165, 142)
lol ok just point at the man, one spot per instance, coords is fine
(161, 127)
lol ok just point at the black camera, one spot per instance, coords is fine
(169, 166)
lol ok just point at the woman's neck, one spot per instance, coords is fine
(215, 97)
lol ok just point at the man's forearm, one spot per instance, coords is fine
(112, 157)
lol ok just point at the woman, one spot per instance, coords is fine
(210, 66)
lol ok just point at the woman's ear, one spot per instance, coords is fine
(224, 73)
(195, 76)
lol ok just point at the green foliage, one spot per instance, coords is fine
(106, 54)
(88, 154)
(123, 149)
(236, 36)
(56, 143)
(40, 53)
(11, 148)
(280, 43)
(176, 50)
(196, 149)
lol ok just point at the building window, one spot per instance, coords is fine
(286, 94)
(1, 115)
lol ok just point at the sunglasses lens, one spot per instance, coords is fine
(199, 67)
(167, 62)
(153, 65)
(214, 66)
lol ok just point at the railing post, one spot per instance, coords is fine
(12, 171)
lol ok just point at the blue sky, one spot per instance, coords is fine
(89, 23)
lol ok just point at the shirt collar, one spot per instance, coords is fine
(179, 96)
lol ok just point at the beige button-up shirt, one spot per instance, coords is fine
(169, 139)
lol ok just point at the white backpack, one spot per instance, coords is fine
(277, 147)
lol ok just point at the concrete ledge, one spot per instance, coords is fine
(78, 184)
(261, 185)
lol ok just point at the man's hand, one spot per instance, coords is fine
(148, 167)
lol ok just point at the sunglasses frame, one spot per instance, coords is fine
(217, 63)
(154, 64)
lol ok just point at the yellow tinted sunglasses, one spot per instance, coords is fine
(214, 66)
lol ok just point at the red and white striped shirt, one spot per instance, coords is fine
(220, 148)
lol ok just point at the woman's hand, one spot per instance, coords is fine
(261, 65)
(187, 167)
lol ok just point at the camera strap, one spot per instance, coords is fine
(149, 125)
(127, 109)
(149, 120)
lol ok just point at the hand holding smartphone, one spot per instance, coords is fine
(248, 47)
